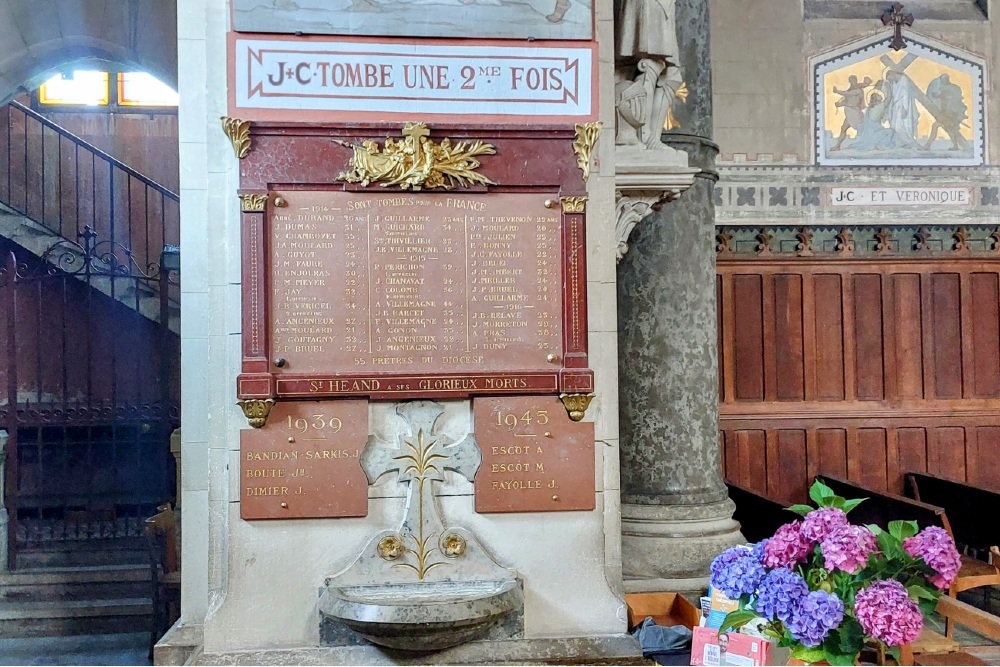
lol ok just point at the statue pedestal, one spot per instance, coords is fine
(645, 180)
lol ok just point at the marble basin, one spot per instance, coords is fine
(422, 616)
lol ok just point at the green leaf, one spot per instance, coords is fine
(894, 652)
(809, 654)
(838, 502)
(801, 510)
(840, 658)
(737, 619)
(918, 592)
(875, 530)
(891, 547)
(910, 528)
(851, 504)
(896, 529)
(819, 492)
(850, 636)
(927, 607)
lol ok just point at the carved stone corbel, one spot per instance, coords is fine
(631, 209)
(643, 184)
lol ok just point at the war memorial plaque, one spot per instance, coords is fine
(535, 459)
(415, 283)
(305, 462)
(391, 291)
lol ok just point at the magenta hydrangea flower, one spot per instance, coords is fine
(886, 612)
(787, 547)
(819, 523)
(936, 547)
(847, 548)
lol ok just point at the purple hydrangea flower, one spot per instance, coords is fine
(815, 615)
(758, 550)
(778, 593)
(818, 523)
(847, 548)
(736, 572)
(787, 547)
(886, 612)
(936, 547)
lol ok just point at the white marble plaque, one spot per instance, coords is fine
(901, 196)
(275, 79)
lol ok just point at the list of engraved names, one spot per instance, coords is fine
(413, 282)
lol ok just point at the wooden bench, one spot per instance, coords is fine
(882, 507)
(956, 612)
(164, 571)
(758, 516)
(971, 512)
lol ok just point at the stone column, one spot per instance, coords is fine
(676, 514)
(4, 523)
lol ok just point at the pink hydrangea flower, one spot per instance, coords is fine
(819, 523)
(936, 547)
(847, 548)
(787, 547)
(886, 612)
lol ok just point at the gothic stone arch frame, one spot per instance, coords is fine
(938, 57)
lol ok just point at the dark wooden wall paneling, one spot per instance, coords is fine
(858, 368)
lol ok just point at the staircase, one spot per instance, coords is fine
(57, 601)
(88, 214)
(55, 188)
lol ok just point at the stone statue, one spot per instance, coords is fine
(646, 72)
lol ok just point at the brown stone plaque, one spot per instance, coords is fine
(411, 283)
(535, 459)
(305, 462)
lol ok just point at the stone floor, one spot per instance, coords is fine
(116, 649)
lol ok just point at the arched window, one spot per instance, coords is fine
(90, 89)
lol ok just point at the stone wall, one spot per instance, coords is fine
(255, 585)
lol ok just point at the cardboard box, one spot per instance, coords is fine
(665, 608)
(731, 648)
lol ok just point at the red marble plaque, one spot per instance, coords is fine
(305, 462)
(535, 459)
(385, 293)
(412, 283)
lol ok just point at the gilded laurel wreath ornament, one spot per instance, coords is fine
(256, 411)
(417, 162)
(238, 132)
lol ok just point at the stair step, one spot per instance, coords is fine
(74, 617)
(75, 609)
(67, 558)
(102, 590)
(74, 575)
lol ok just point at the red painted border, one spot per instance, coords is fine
(299, 115)
(311, 157)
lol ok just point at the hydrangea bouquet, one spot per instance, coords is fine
(825, 587)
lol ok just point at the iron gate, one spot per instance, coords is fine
(91, 392)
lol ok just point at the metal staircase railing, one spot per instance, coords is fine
(65, 184)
